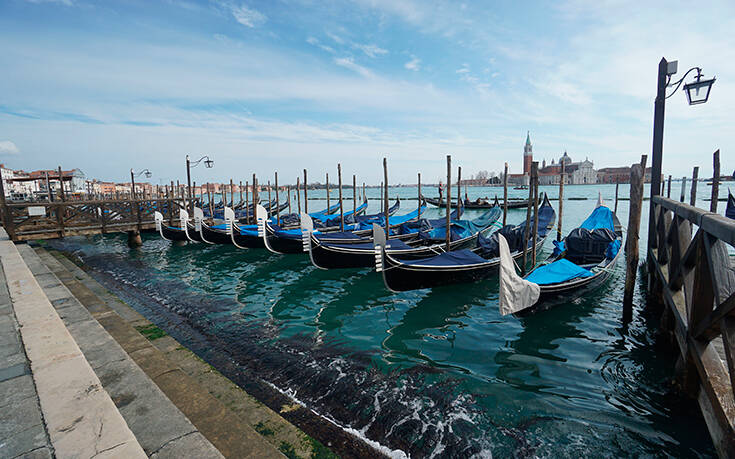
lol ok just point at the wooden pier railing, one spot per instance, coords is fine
(48, 220)
(692, 273)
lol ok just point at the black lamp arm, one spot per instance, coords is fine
(681, 80)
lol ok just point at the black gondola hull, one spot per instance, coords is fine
(173, 234)
(215, 236)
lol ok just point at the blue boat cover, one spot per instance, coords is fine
(514, 234)
(393, 244)
(453, 258)
(460, 229)
(612, 249)
(559, 271)
(601, 217)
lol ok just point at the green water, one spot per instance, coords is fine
(428, 373)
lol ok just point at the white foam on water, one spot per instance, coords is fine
(392, 453)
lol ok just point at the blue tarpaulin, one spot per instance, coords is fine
(601, 217)
(464, 228)
(454, 258)
(559, 271)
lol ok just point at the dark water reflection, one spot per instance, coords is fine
(427, 373)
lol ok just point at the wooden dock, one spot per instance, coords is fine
(692, 276)
(48, 220)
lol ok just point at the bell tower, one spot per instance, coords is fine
(527, 154)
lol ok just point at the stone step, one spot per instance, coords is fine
(78, 414)
(272, 426)
(227, 432)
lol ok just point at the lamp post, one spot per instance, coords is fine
(208, 163)
(697, 92)
(132, 179)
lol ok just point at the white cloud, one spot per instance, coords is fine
(336, 38)
(371, 50)
(314, 41)
(62, 2)
(8, 148)
(349, 63)
(413, 64)
(247, 16)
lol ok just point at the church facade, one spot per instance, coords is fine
(575, 173)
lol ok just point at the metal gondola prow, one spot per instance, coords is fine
(379, 241)
(198, 223)
(158, 216)
(307, 226)
(184, 217)
(261, 216)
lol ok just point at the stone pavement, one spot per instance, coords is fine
(79, 416)
(22, 431)
(160, 427)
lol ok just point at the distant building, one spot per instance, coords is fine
(578, 173)
(618, 175)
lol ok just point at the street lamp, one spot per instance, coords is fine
(208, 163)
(132, 178)
(697, 92)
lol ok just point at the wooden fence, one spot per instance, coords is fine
(48, 220)
(692, 273)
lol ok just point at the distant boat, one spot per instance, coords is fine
(481, 205)
(522, 187)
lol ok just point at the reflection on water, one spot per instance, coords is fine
(434, 372)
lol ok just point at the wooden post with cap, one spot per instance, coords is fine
(715, 182)
(449, 200)
(385, 176)
(505, 195)
(341, 207)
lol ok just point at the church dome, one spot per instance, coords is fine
(565, 159)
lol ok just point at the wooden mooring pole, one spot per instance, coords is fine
(534, 180)
(327, 190)
(354, 196)
(637, 179)
(298, 197)
(449, 200)
(341, 205)
(561, 202)
(505, 195)
(278, 203)
(683, 188)
(668, 188)
(306, 196)
(419, 195)
(459, 188)
(385, 177)
(617, 186)
(527, 230)
(693, 195)
(715, 182)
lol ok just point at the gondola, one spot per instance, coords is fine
(425, 242)
(730, 209)
(284, 240)
(459, 266)
(512, 204)
(582, 261)
(186, 232)
(247, 236)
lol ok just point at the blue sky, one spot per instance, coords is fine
(292, 84)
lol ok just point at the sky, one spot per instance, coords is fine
(284, 85)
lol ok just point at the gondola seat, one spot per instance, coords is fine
(585, 246)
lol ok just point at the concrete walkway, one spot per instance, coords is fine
(160, 427)
(80, 418)
(210, 416)
(22, 430)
